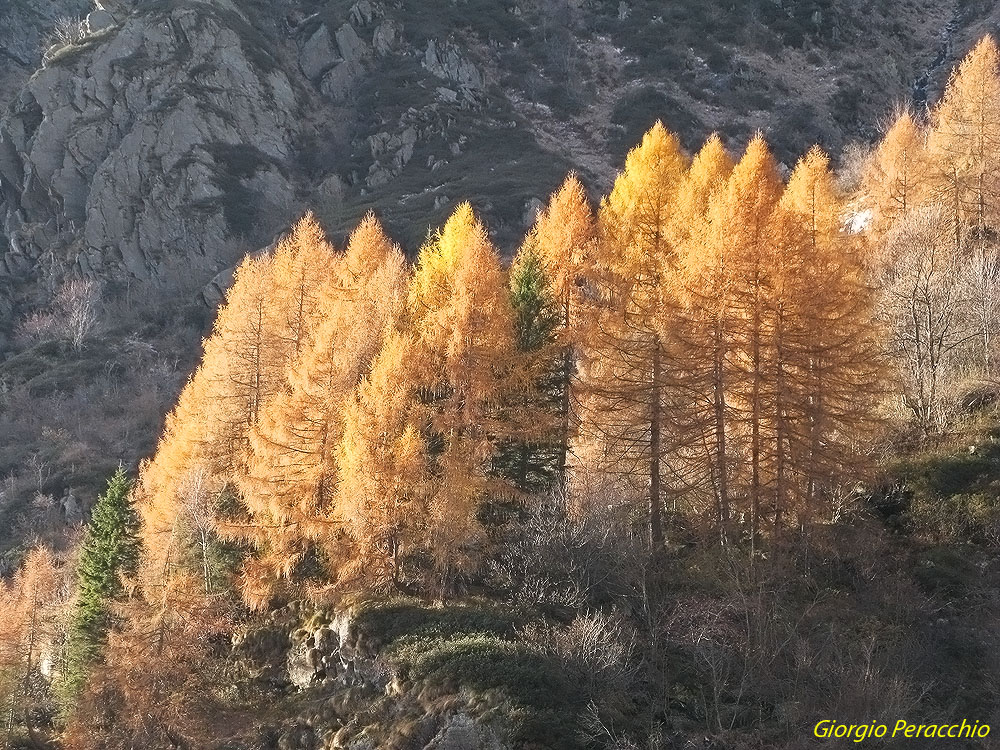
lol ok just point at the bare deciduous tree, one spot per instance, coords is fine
(928, 311)
(76, 306)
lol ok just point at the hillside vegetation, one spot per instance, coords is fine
(711, 460)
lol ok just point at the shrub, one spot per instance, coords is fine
(594, 648)
(531, 693)
(381, 623)
(72, 316)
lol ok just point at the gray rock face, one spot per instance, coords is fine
(445, 61)
(386, 37)
(339, 82)
(351, 46)
(25, 24)
(318, 54)
(146, 155)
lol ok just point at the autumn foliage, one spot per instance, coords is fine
(704, 343)
(710, 352)
(712, 341)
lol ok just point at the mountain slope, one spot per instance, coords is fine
(174, 136)
(178, 133)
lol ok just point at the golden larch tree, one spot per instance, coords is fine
(896, 174)
(383, 469)
(461, 317)
(31, 603)
(290, 483)
(964, 143)
(626, 344)
(303, 275)
(274, 305)
(703, 243)
(830, 344)
(745, 213)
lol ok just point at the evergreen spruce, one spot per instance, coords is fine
(531, 461)
(110, 549)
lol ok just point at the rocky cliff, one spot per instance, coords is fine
(158, 140)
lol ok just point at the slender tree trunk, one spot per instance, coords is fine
(755, 418)
(719, 408)
(205, 568)
(655, 519)
(567, 375)
(779, 405)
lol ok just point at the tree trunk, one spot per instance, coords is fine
(719, 396)
(655, 519)
(755, 418)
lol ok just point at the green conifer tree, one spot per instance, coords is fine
(110, 550)
(531, 460)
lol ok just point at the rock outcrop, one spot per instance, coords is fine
(145, 148)
(162, 139)
(445, 60)
(353, 687)
(26, 25)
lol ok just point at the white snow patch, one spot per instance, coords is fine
(858, 221)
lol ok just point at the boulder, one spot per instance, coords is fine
(99, 20)
(331, 191)
(339, 82)
(385, 38)
(352, 47)
(318, 54)
(302, 666)
(362, 13)
(446, 61)
(532, 208)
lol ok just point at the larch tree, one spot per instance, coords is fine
(290, 482)
(896, 174)
(384, 477)
(460, 313)
(244, 363)
(629, 420)
(745, 213)
(31, 604)
(304, 263)
(827, 373)
(702, 331)
(181, 450)
(209, 428)
(273, 310)
(964, 144)
(563, 238)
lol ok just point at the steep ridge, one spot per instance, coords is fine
(168, 137)
(130, 153)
